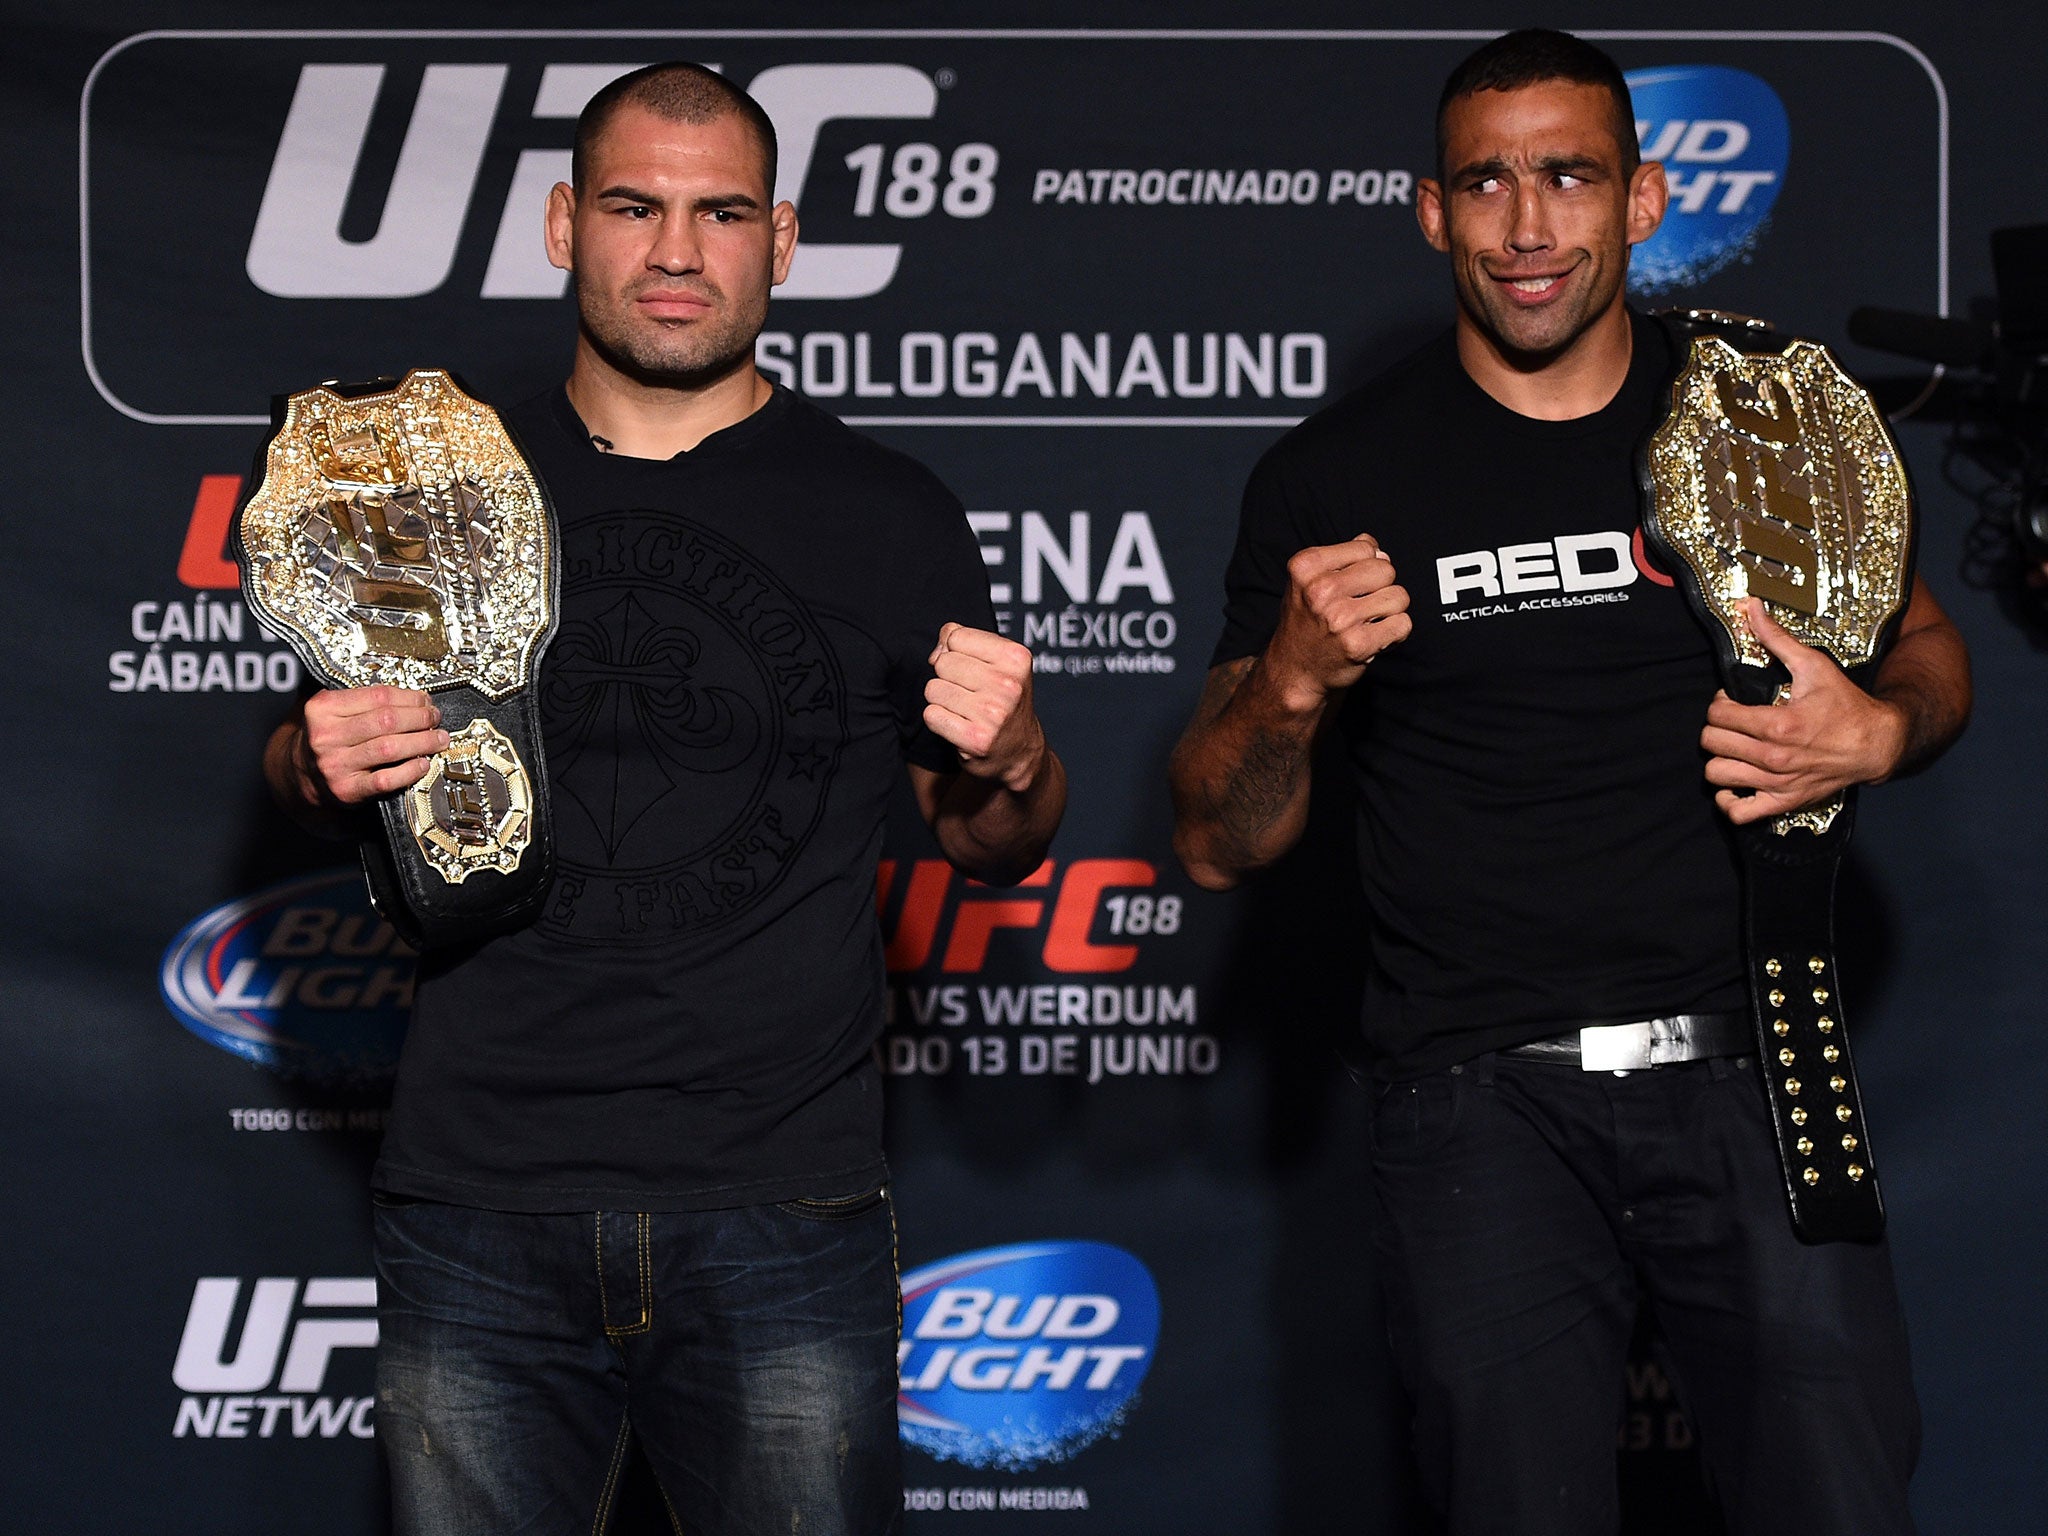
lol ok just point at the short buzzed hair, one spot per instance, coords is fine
(681, 93)
(1530, 57)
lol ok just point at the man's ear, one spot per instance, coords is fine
(783, 222)
(561, 226)
(1429, 213)
(1648, 195)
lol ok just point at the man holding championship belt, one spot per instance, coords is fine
(1448, 569)
(632, 1183)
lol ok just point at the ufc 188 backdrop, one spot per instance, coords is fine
(1087, 263)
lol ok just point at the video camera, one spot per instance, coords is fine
(2004, 368)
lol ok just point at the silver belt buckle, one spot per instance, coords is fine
(1617, 1047)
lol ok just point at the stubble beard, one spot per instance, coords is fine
(673, 354)
(1537, 333)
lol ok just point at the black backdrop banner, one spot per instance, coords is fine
(1088, 265)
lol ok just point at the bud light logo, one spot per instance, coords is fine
(302, 978)
(1015, 1357)
(1724, 141)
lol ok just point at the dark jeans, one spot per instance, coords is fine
(751, 1352)
(1522, 1205)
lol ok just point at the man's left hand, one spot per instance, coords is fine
(1828, 735)
(980, 701)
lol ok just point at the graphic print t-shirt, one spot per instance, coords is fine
(1537, 840)
(728, 703)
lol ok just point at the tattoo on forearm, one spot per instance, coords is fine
(1242, 806)
(1250, 801)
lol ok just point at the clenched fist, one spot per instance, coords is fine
(1342, 608)
(359, 743)
(980, 701)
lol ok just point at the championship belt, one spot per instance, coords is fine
(1775, 476)
(397, 536)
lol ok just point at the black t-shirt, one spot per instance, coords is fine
(726, 708)
(1537, 840)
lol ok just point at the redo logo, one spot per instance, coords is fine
(1724, 140)
(1015, 1357)
(302, 978)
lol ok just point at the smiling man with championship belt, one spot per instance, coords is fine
(632, 1183)
(1447, 568)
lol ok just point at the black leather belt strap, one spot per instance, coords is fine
(1636, 1045)
(1796, 997)
(1788, 919)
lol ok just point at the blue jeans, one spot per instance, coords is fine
(1523, 1207)
(750, 1352)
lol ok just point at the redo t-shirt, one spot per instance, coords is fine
(1537, 840)
(728, 703)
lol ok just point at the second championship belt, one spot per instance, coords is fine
(1774, 476)
(397, 536)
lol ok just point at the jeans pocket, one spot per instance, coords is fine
(386, 1200)
(839, 1208)
(1413, 1119)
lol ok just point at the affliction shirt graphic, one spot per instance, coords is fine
(690, 672)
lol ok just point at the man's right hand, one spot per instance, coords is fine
(1342, 608)
(1240, 774)
(359, 743)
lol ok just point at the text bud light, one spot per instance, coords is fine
(1725, 142)
(1015, 1357)
(303, 978)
